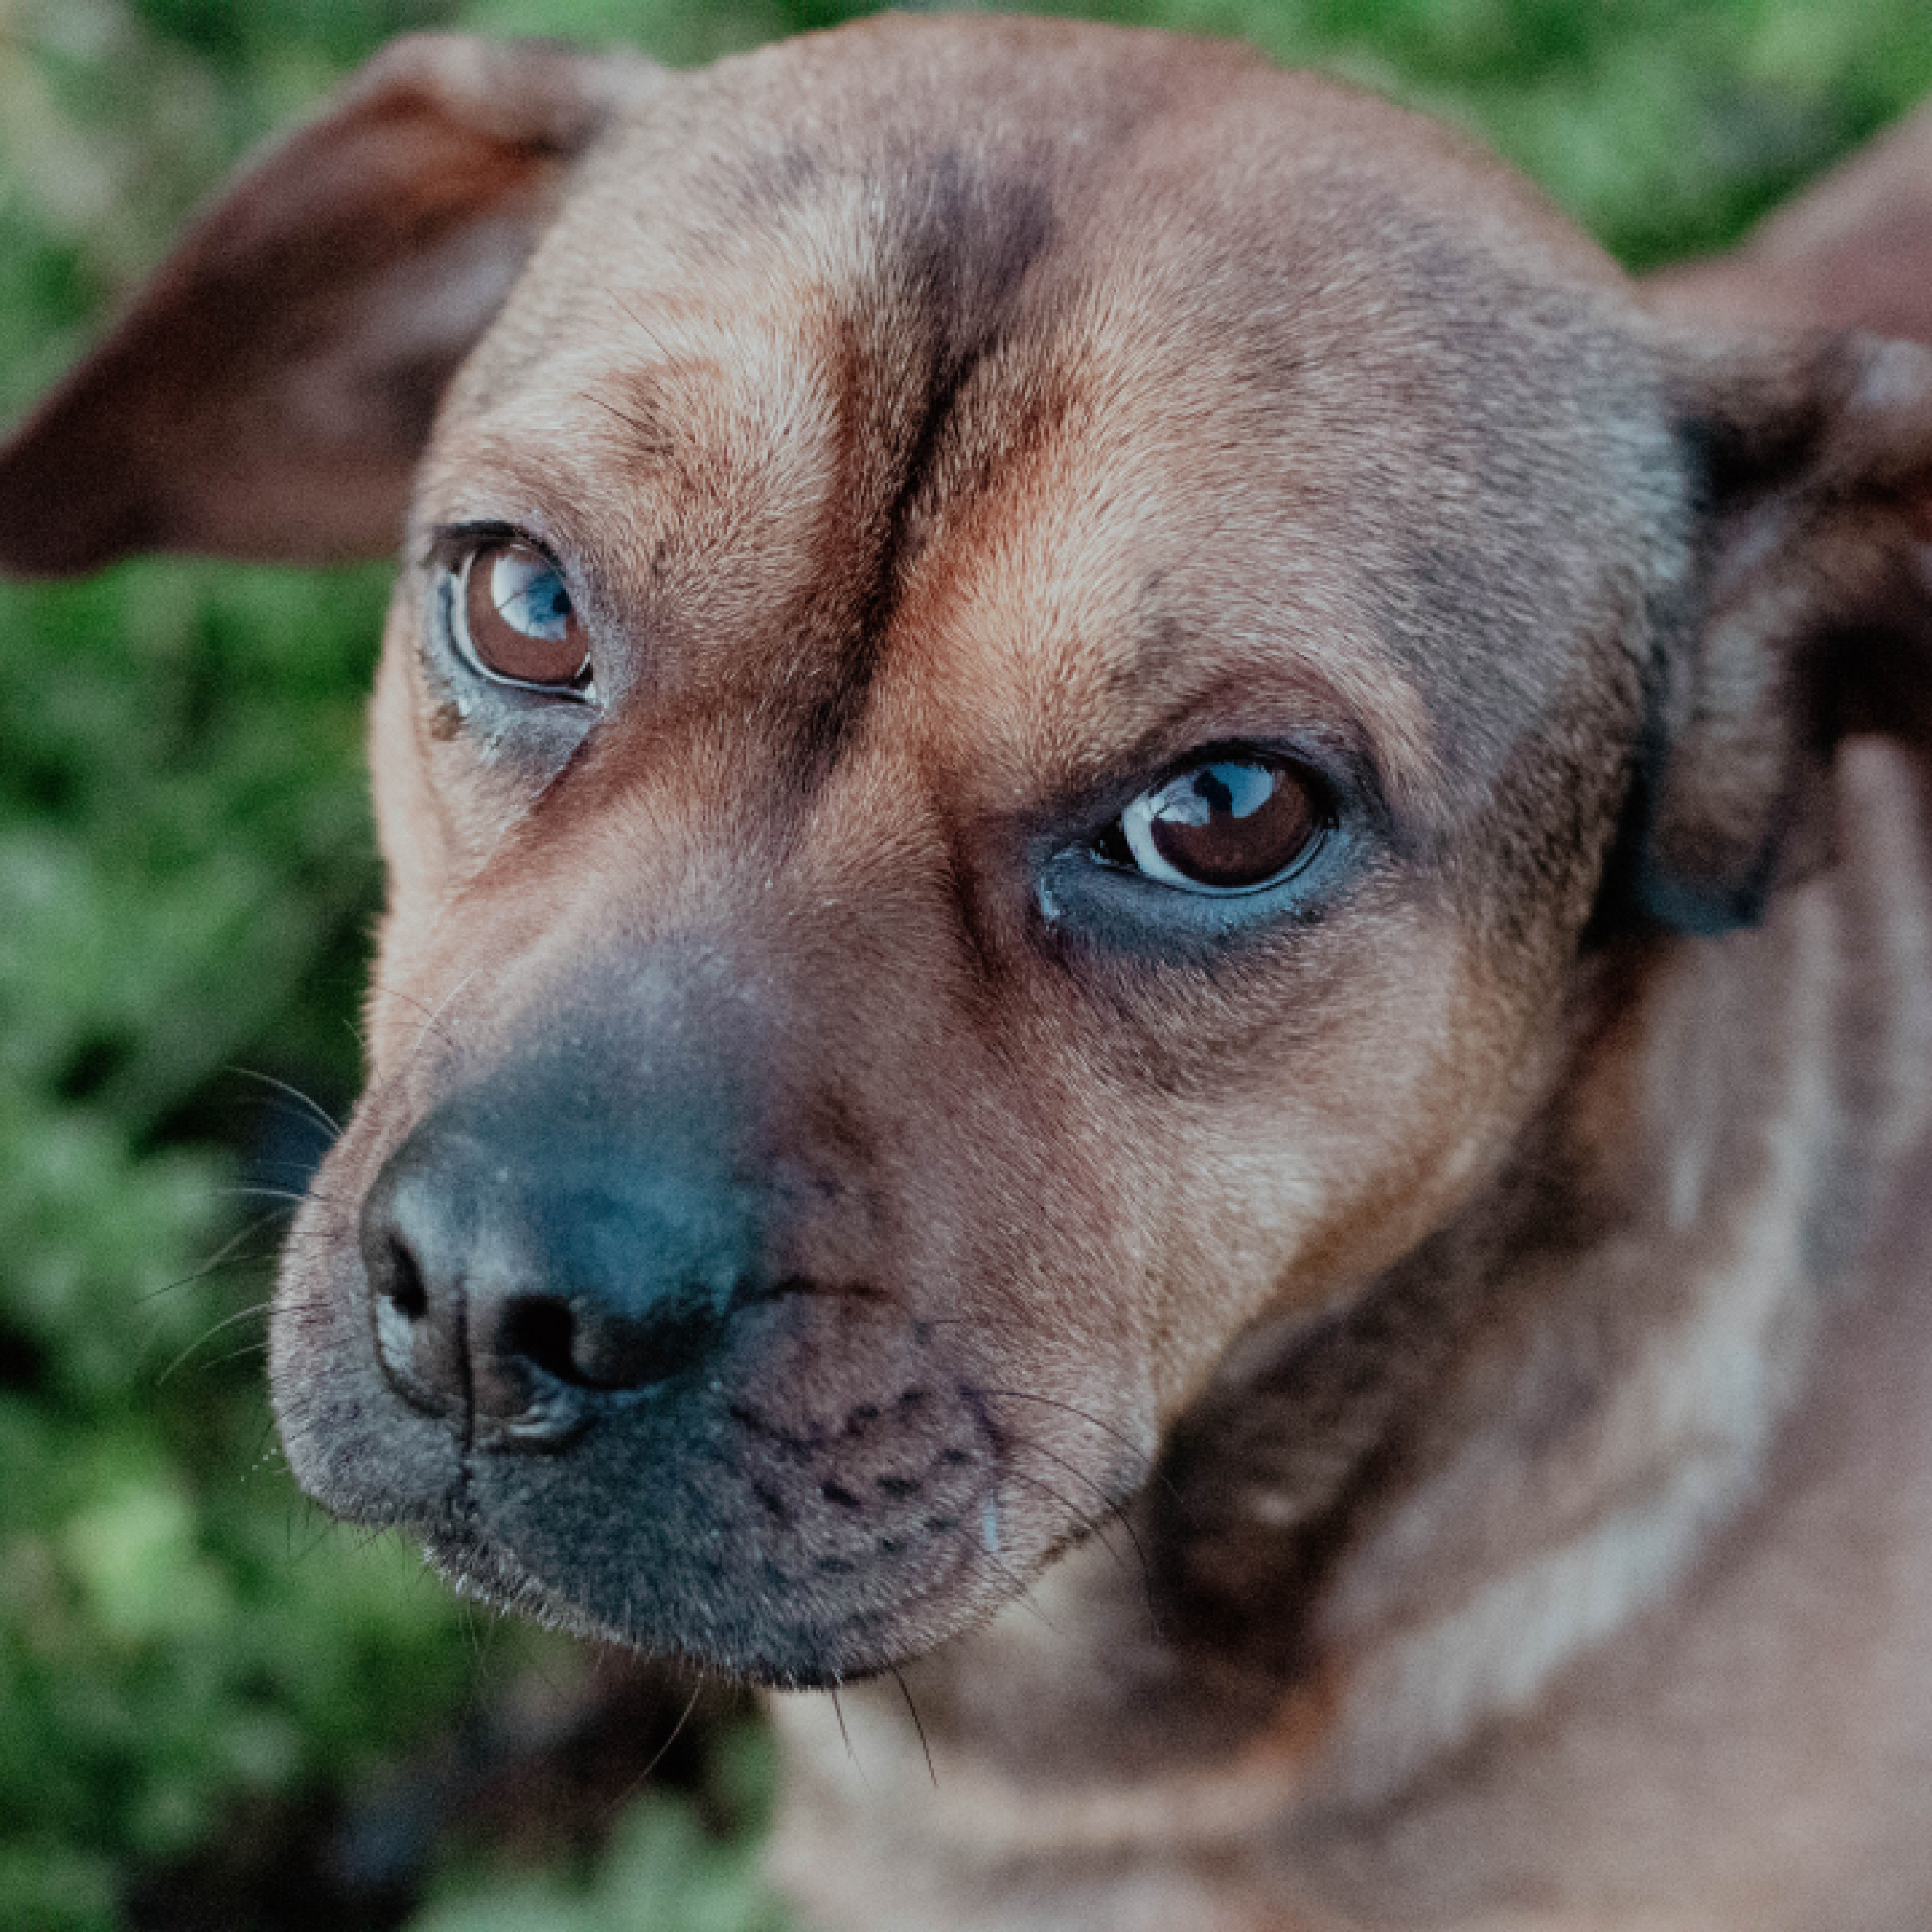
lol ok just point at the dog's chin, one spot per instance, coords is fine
(771, 1644)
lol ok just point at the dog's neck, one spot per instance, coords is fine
(1383, 1531)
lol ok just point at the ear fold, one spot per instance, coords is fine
(268, 394)
(1808, 613)
(1811, 455)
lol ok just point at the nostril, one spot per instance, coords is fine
(415, 1344)
(402, 1282)
(540, 1330)
(587, 1345)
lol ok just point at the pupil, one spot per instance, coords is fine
(549, 604)
(530, 596)
(1234, 791)
(1212, 787)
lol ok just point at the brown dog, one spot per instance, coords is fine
(1111, 793)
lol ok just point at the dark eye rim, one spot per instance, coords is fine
(454, 549)
(1109, 848)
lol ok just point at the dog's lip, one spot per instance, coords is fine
(555, 1416)
(477, 1563)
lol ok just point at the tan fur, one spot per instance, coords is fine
(1406, 1412)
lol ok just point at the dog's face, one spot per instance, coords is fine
(942, 888)
(1020, 656)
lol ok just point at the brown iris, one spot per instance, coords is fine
(518, 619)
(1224, 825)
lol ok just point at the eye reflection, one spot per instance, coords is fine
(518, 623)
(1225, 825)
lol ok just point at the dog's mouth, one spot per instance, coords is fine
(773, 1631)
(810, 1485)
(719, 1523)
(735, 1517)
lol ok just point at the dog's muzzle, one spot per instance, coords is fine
(676, 1406)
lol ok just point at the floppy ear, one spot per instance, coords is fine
(1807, 615)
(1854, 251)
(1810, 456)
(269, 391)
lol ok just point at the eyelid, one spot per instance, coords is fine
(448, 544)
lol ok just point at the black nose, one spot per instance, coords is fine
(526, 1265)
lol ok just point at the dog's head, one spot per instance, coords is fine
(1030, 662)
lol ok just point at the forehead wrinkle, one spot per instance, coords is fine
(1112, 582)
(1149, 295)
(838, 354)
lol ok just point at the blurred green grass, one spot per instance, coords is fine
(186, 884)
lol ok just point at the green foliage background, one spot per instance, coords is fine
(186, 882)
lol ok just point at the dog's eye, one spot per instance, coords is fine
(518, 624)
(1225, 825)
